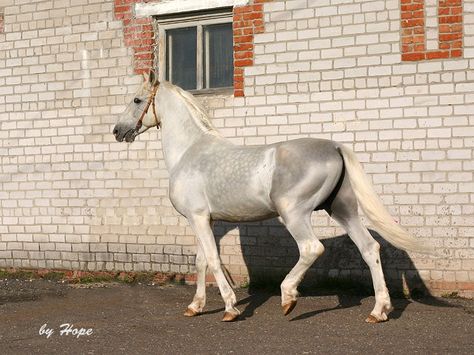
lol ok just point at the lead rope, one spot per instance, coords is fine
(154, 111)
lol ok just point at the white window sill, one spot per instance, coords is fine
(215, 91)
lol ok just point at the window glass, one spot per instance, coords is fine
(218, 55)
(181, 57)
(198, 53)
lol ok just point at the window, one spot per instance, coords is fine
(196, 52)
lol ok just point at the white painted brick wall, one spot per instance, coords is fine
(71, 197)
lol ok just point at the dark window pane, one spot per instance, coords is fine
(218, 56)
(181, 57)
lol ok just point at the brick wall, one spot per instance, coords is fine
(72, 198)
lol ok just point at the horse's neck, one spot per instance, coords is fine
(179, 130)
(178, 135)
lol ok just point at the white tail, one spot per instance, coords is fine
(370, 203)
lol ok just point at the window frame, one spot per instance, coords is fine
(198, 20)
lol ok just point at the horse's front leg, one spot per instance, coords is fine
(202, 227)
(199, 300)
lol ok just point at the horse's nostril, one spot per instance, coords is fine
(115, 131)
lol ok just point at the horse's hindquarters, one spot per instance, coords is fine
(306, 172)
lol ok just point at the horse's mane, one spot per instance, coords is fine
(198, 113)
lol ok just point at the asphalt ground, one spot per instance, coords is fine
(138, 319)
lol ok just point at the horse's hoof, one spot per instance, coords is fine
(191, 312)
(229, 317)
(372, 319)
(288, 307)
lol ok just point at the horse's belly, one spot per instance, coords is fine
(240, 206)
(242, 215)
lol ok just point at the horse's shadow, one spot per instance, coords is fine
(269, 253)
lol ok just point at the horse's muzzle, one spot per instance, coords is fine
(123, 134)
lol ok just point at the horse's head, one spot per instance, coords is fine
(140, 114)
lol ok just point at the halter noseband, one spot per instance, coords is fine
(151, 101)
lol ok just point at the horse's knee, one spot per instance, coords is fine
(311, 250)
(318, 249)
(375, 247)
(201, 262)
(371, 253)
(371, 248)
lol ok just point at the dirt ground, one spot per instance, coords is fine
(148, 320)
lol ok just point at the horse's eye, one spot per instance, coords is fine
(137, 100)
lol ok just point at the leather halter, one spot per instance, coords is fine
(151, 101)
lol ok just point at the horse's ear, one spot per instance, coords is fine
(153, 78)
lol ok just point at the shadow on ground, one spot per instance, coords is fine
(270, 252)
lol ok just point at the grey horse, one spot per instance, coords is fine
(212, 179)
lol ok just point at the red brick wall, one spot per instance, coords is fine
(248, 20)
(413, 30)
(138, 34)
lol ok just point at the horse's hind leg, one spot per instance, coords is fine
(369, 249)
(344, 210)
(199, 300)
(298, 224)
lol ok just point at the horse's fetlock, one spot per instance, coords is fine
(288, 292)
(199, 301)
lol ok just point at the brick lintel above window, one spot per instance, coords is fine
(168, 7)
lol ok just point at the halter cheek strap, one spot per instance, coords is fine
(151, 101)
